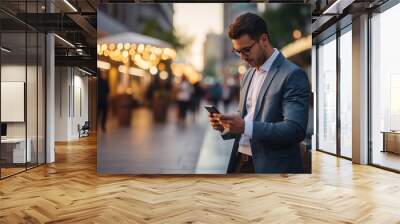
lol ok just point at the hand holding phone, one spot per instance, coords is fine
(212, 109)
(214, 121)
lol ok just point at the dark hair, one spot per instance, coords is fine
(248, 23)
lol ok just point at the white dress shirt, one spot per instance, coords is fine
(252, 95)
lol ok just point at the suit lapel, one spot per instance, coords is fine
(267, 82)
(244, 92)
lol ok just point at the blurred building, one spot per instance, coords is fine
(231, 11)
(148, 21)
(213, 51)
(134, 17)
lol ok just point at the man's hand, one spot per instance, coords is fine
(234, 123)
(215, 122)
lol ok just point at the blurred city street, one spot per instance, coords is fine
(158, 65)
(150, 148)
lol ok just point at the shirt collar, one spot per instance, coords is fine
(268, 63)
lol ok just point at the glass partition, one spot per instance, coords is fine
(31, 97)
(327, 96)
(15, 150)
(346, 93)
(22, 89)
(385, 89)
(41, 86)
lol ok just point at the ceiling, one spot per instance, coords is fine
(330, 15)
(75, 21)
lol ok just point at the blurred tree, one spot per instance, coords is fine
(209, 68)
(284, 19)
(153, 29)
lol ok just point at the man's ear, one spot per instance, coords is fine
(264, 37)
(264, 40)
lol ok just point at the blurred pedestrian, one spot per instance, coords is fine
(183, 98)
(197, 95)
(103, 92)
(216, 94)
(226, 96)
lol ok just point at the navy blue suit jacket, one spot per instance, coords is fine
(280, 119)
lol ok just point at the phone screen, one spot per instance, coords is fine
(212, 109)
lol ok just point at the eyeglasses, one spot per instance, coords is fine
(244, 51)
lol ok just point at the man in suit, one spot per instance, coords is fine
(273, 105)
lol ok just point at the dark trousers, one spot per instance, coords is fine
(183, 107)
(244, 164)
(103, 111)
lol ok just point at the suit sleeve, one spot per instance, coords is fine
(295, 113)
(228, 136)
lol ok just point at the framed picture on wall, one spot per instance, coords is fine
(12, 101)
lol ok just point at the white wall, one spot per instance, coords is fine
(13, 73)
(33, 127)
(71, 93)
(80, 100)
(62, 81)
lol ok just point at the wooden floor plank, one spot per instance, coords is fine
(70, 191)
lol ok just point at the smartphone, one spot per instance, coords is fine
(212, 109)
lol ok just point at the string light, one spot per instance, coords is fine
(145, 57)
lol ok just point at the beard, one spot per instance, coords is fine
(250, 63)
(261, 60)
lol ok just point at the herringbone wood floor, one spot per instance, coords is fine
(70, 191)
